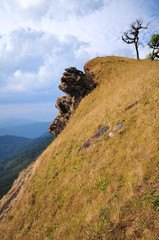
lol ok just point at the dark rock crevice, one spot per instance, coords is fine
(76, 85)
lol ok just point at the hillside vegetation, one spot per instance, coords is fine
(10, 145)
(16, 154)
(109, 190)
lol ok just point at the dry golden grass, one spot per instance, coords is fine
(109, 191)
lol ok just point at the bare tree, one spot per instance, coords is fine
(132, 35)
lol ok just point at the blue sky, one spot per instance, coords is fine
(40, 38)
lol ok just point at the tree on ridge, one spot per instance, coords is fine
(132, 36)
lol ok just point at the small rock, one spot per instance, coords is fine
(86, 145)
(118, 126)
(101, 131)
(132, 105)
(112, 134)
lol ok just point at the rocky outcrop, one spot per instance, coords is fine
(98, 134)
(76, 85)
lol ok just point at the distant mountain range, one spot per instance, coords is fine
(15, 122)
(33, 130)
(10, 145)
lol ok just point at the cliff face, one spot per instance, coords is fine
(76, 85)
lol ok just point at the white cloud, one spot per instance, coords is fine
(40, 38)
(34, 61)
(57, 9)
(103, 29)
(69, 8)
(31, 4)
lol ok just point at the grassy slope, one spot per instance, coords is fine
(109, 191)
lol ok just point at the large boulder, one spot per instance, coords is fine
(76, 85)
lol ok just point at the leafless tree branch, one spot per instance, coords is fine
(132, 35)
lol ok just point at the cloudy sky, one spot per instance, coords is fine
(40, 38)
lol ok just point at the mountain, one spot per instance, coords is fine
(7, 139)
(99, 179)
(17, 155)
(15, 122)
(46, 134)
(10, 145)
(33, 130)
